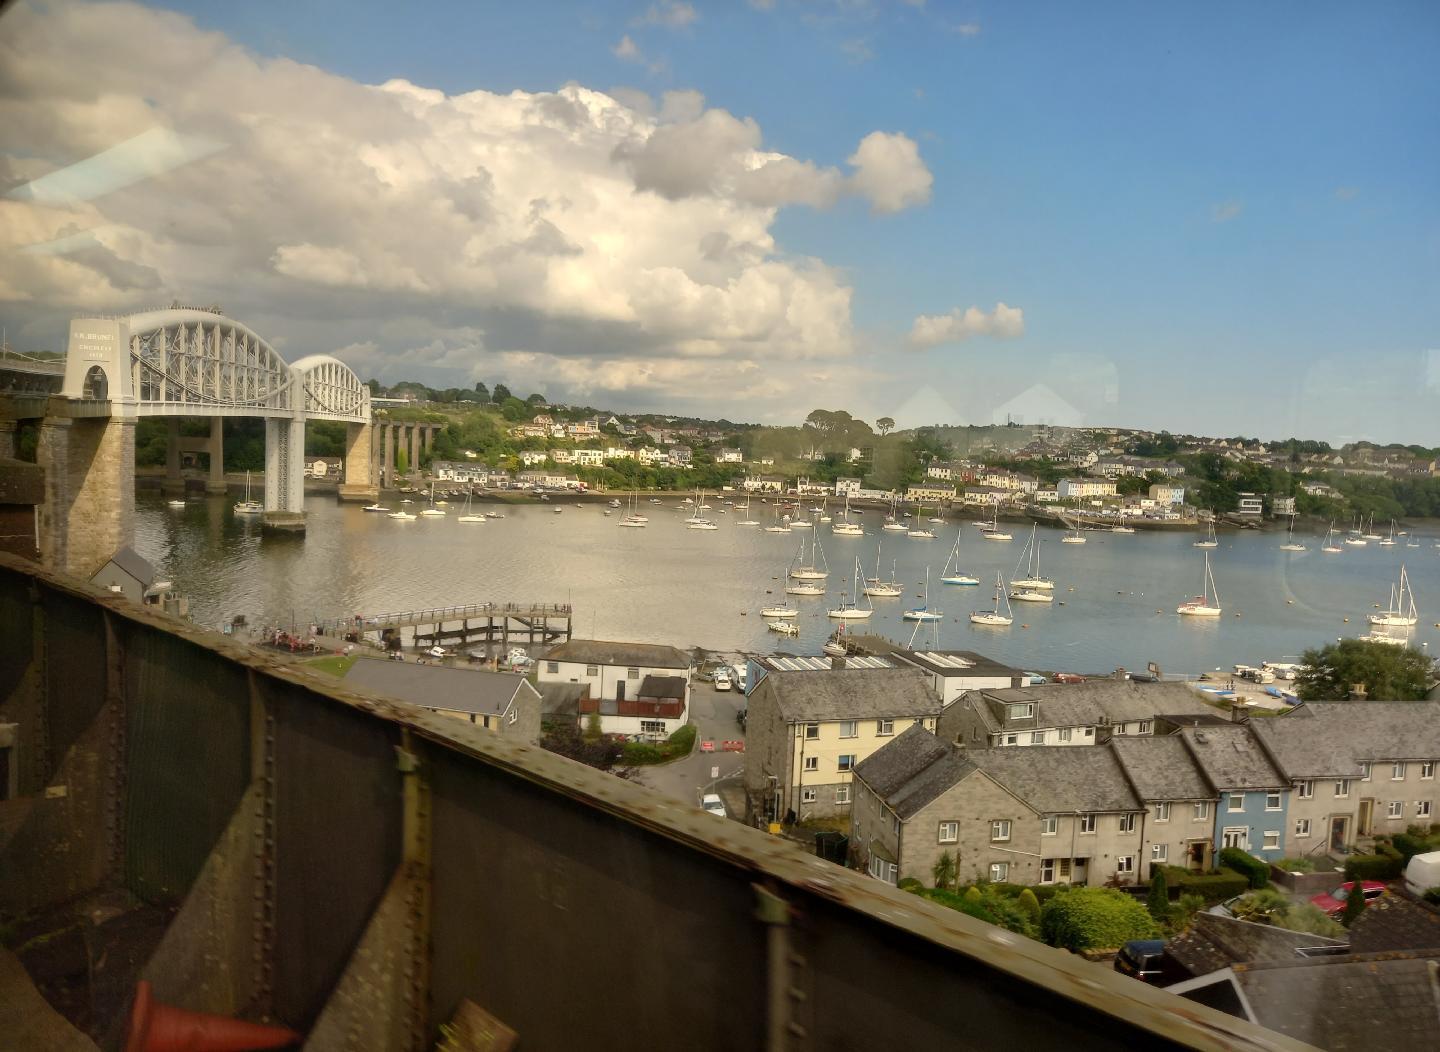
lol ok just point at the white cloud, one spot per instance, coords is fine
(1003, 323)
(1347, 193)
(1226, 211)
(672, 14)
(627, 49)
(966, 29)
(889, 172)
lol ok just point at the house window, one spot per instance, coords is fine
(515, 716)
(999, 871)
(848, 728)
(847, 761)
(1012, 739)
(1305, 790)
(1049, 825)
(1272, 801)
(1364, 772)
(1395, 809)
(1037, 737)
(1422, 808)
(880, 869)
(1302, 828)
(949, 832)
(1272, 840)
(1159, 852)
(1397, 772)
(652, 726)
(1236, 836)
(1162, 812)
(1089, 732)
(809, 796)
(1342, 788)
(592, 670)
(1427, 770)
(812, 731)
(1021, 712)
(1065, 868)
(1125, 864)
(1000, 830)
(552, 666)
(1202, 811)
(1047, 871)
(884, 728)
(1144, 727)
(1235, 802)
(1065, 733)
(842, 794)
(1087, 823)
(812, 763)
(1127, 823)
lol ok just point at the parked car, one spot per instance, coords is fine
(713, 804)
(722, 678)
(740, 675)
(1146, 960)
(1333, 902)
(1423, 873)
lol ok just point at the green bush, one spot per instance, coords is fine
(1158, 901)
(1214, 887)
(972, 895)
(1415, 842)
(1374, 867)
(678, 744)
(910, 884)
(1257, 872)
(1028, 904)
(1310, 919)
(1095, 919)
(1296, 865)
(1261, 907)
(987, 905)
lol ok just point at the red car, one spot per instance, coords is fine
(1333, 902)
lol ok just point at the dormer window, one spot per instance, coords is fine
(1021, 711)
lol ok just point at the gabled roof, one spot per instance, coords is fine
(440, 687)
(913, 770)
(630, 655)
(1214, 942)
(1231, 758)
(1059, 779)
(1332, 739)
(1161, 768)
(846, 694)
(134, 565)
(1093, 702)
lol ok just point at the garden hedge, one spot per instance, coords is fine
(1374, 867)
(1095, 919)
(1213, 887)
(1256, 871)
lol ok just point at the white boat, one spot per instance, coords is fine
(847, 610)
(1380, 637)
(701, 524)
(1207, 605)
(846, 528)
(951, 573)
(433, 512)
(785, 628)
(920, 533)
(1120, 527)
(803, 588)
(406, 500)
(798, 523)
(923, 611)
(1356, 542)
(779, 525)
(402, 515)
(1402, 610)
(1412, 544)
(991, 530)
(834, 648)
(783, 610)
(494, 514)
(1208, 541)
(1074, 537)
(613, 502)
(1000, 614)
(1033, 580)
(176, 503)
(1389, 542)
(1370, 534)
(376, 507)
(469, 515)
(892, 521)
(803, 569)
(748, 521)
(1290, 544)
(248, 506)
(1329, 547)
(557, 511)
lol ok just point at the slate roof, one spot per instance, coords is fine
(1093, 702)
(1395, 922)
(628, 655)
(135, 565)
(662, 687)
(913, 769)
(1161, 768)
(562, 699)
(1059, 779)
(440, 687)
(1232, 759)
(1214, 942)
(1331, 739)
(846, 694)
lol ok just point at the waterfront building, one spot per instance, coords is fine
(1069, 489)
(954, 672)
(635, 688)
(1251, 506)
(1088, 713)
(499, 702)
(1252, 794)
(929, 491)
(846, 485)
(1167, 493)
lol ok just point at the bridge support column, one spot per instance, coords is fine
(284, 475)
(414, 449)
(358, 485)
(215, 447)
(387, 454)
(8, 448)
(173, 482)
(89, 509)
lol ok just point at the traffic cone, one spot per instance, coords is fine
(156, 1027)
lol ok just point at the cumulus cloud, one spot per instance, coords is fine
(672, 14)
(1226, 211)
(573, 226)
(1003, 323)
(627, 49)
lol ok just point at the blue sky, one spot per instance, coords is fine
(1220, 217)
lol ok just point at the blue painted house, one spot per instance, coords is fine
(1254, 796)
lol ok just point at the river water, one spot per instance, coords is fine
(1115, 595)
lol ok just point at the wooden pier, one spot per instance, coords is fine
(488, 623)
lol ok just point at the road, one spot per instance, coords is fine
(713, 713)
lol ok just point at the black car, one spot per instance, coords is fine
(1147, 961)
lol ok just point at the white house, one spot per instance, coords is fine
(1166, 493)
(1046, 496)
(728, 455)
(940, 469)
(650, 456)
(530, 457)
(1250, 505)
(563, 456)
(590, 458)
(619, 453)
(1283, 506)
(1072, 488)
(635, 688)
(844, 486)
(953, 672)
(763, 483)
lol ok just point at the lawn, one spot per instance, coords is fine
(335, 665)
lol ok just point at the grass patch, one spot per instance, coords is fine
(335, 665)
(1296, 865)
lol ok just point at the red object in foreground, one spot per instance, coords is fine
(156, 1027)
(733, 745)
(1333, 902)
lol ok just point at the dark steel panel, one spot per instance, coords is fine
(187, 743)
(578, 929)
(337, 817)
(74, 669)
(16, 632)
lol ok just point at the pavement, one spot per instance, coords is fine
(713, 713)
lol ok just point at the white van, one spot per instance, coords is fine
(740, 674)
(1423, 873)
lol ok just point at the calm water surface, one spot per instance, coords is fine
(667, 584)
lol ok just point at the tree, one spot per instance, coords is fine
(500, 393)
(1354, 903)
(944, 870)
(1095, 919)
(1386, 673)
(885, 425)
(536, 399)
(1029, 905)
(1158, 903)
(482, 391)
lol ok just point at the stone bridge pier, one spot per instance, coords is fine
(89, 509)
(213, 446)
(361, 470)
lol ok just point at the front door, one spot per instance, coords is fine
(620, 690)
(1367, 812)
(1197, 856)
(1339, 827)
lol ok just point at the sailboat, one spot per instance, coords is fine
(1120, 527)
(800, 586)
(1389, 542)
(1074, 536)
(1208, 541)
(470, 516)
(1290, 545)
(433, 512)
(808, 571)
(248, 506)
(633, 519)
(892, 521)
(923, 611)
(991, 531)
(1402, 610)
(1370, 534)
(1329, 547)
(879, 589)
(846, 528)
(920, 533)
(824, 515)
(1207, 605)
(1355, 540)
(951, 573)
(835, 645)
(779, 525)
(377, 506)
(748, 521)
(1032, 588)
(848, 611)
(1000, 614)
(784, 627)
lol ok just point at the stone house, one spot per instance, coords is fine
(499, 702)
(1179, 803)
(1251, 793)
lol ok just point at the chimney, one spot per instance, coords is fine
(837, 662)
